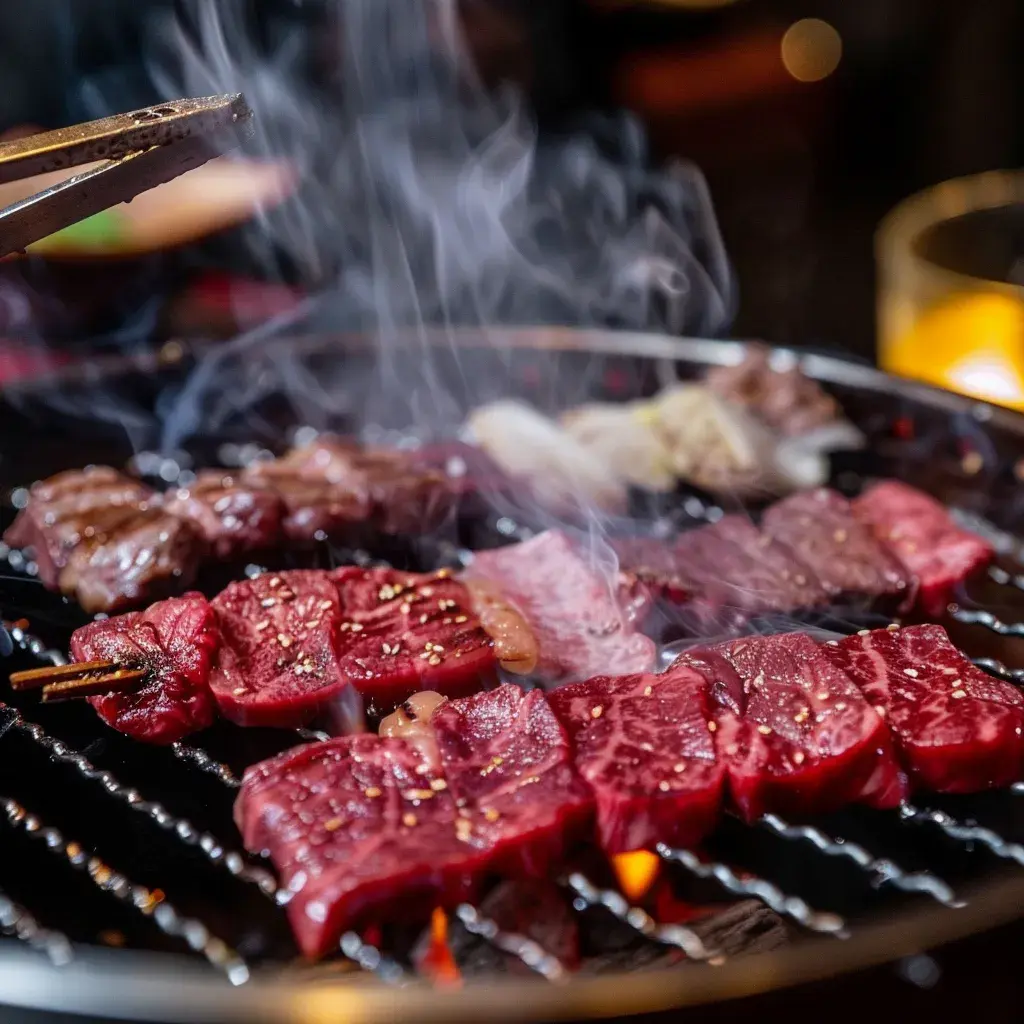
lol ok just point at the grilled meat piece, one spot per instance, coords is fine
(923, 536)
(337, 489)
(794, 732)
(174, 641)
(234, 517)
(359, 829)
(642, 743)
(65, 509)
(787, 400)
(509, 766)
(104, 539)
(957, 729)
(584, 624)
(841, 552)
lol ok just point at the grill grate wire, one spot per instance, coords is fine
(19, 921)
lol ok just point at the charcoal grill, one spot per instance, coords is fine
(122, 891)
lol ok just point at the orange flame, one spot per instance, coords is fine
(439, 962)
(636, 872)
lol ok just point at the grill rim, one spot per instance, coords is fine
(136, 985)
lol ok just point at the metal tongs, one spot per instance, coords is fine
(139, 150)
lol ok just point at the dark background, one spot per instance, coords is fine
(801, 173)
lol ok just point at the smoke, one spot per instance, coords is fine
(429, 202)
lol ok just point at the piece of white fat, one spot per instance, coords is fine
(562, 474)
(623, 437)
(719, 446)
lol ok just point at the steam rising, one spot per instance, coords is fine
(429, 201)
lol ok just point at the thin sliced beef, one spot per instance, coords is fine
(359, 829)
(740, 571)
(657, 563)
(841, 552)
(509, 766)
(337, 489)
(584, 621)
(794, 732)
(278, 661)
(957, 729)
(405, 632)
(235, 518)
(923, 536)
(642, 743)
(174, 640)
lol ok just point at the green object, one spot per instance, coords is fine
(103, 232)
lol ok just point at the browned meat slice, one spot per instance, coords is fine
(143, 555)
(842, 553)
(105, 540)
(235, 517)
(68, 508)
(333, 488)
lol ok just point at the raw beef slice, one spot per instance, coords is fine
(175, 641)
(957, 729)
(278, 664)
(794, 732)
(360, 829)
(922, 535)
(642, 743)
(405, 632)
(583, 621)
(508, 764)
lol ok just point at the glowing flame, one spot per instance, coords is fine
(439, 962)
(636, 872)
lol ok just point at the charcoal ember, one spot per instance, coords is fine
(278, 663)
(533, 908)
(643, 745)
(235, 518)
(584, 620)
(131, 555)
(360, 830)
(405, 632)
(957, 729)
(65, 509)
(788, 400)
(795, 733)
(508, 764)
(842, 553)
(742, 928)
(174, 641)
(923, 536)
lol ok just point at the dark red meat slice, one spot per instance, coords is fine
(841, 552)
(957, 729)
(794, 732)
(657, 563)
(469, 470)
(584, 619)
(65, 509)
(738, 568)
(359, 829)
(175, 641)
(278, 663)
(333, 488)
(642, 743)
(508, 764)
(234, 517)
(405, 632)
(922, 535)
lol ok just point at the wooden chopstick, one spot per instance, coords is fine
(82, 679)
